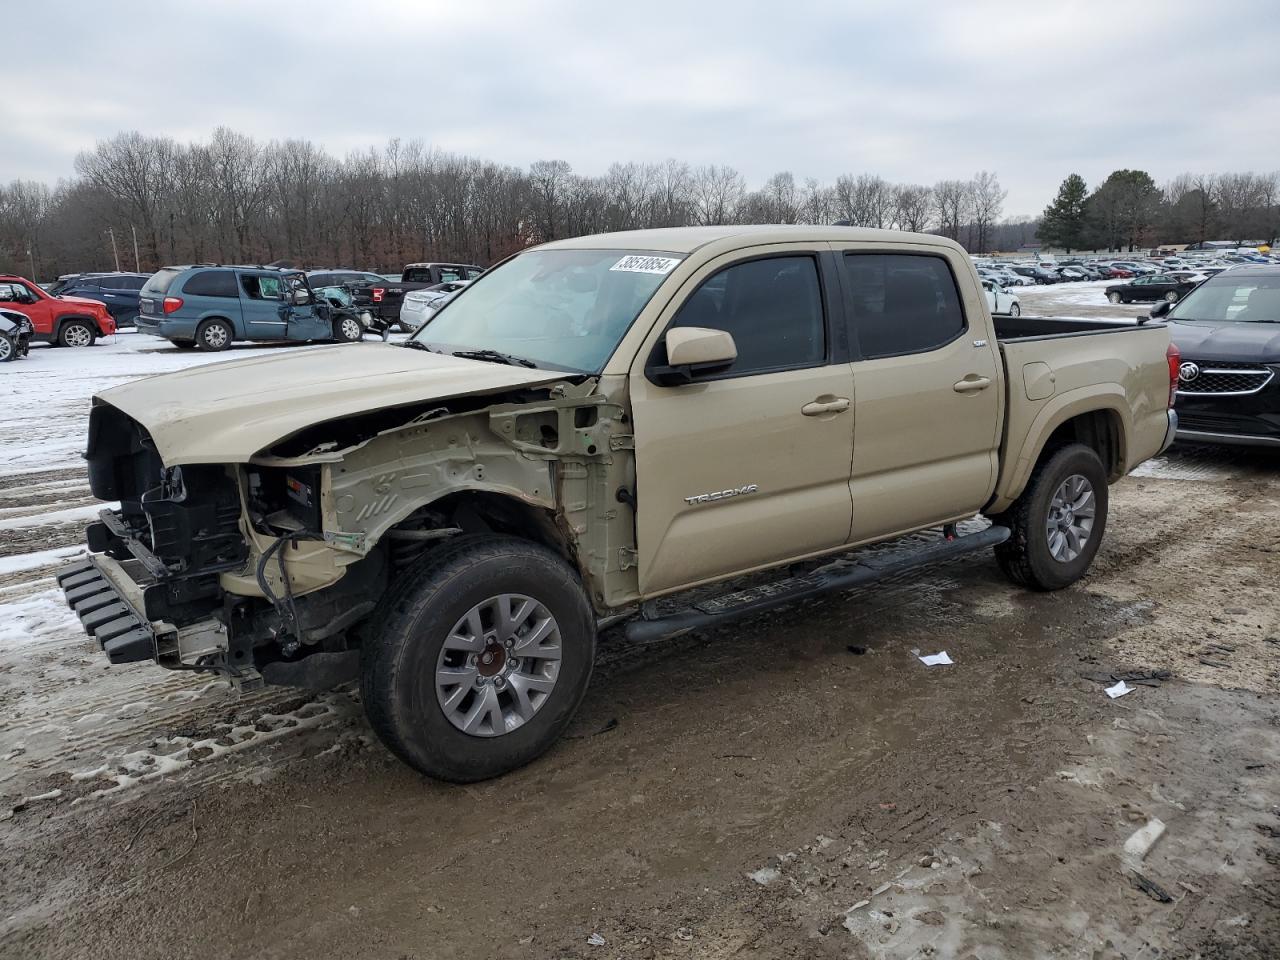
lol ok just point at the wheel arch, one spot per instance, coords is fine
(1098, 420)
(66, 318)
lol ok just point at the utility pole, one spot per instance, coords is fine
(32, 257)
(137, 264)
(114, 252)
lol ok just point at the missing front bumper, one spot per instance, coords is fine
(109, 611)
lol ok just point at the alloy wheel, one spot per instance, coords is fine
(498, 665)
(1070, 521)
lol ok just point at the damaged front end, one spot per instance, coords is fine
(266, 570)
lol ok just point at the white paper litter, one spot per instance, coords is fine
(1119, 690)
(1140, 843)
(596, 940)
(935, 659)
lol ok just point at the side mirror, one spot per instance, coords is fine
(692, 351)
(301, 297)
(1161, 309)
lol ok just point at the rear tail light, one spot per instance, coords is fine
(171, 304)
(1174, 356)
(377, 294)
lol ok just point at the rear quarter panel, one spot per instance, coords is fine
(1123, 372)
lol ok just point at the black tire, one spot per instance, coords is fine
(1025, 557)
(77, 333)
(1015, 310)
(1115, 298)
(214, 336)
(8, 348)
(344, 332)
(184, 344)
(403, 640)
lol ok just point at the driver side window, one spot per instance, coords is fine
(261, 287)
(773, 309)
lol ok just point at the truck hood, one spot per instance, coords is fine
(1228, 342)
(227, 412)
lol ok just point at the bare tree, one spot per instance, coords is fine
(952, 203)
(912, 207)
(987, 200)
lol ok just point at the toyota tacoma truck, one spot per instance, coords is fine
(597, 433)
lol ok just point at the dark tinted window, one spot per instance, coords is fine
(417, 275)
(160, 281)
(773, 308)
(86, 283)
(211, 283)
(325, 279)
(130, 283)
(902, 304)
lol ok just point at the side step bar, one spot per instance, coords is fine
(767, 596)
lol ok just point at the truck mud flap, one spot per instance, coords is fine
(757, 599)
(106, 615)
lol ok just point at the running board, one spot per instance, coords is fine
(767, 596)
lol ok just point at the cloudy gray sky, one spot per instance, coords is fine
(914, 92)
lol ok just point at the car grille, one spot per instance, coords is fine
(1225, 378)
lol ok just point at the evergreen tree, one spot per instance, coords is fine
(1063, 224)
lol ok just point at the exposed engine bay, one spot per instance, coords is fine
(265, 570)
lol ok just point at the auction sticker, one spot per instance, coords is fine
(637, 264)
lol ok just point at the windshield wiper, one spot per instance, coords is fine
(418, 345)
(494, 356)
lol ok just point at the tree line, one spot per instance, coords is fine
(1128, 211)
(233, 199)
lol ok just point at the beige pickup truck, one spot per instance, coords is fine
(594, 424)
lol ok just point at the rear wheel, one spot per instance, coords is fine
(77, 333)
(1058, 522)
(1172, 296)
(214, 335)
(1015, 310)
(476, 661)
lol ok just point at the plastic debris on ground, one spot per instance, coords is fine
(935, 659)
(1119, 690)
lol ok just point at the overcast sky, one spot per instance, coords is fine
(915, 92)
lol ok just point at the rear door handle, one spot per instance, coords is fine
(825, 404)
(970, 384)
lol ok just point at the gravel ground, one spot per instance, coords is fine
(799, 785)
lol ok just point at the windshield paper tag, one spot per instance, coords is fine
(634, 264)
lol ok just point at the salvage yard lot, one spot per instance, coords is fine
(798, 785)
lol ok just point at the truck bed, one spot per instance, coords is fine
(1039, 328)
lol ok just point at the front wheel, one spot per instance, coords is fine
(8, 348)
(476, 661)
(1058, 522)
(1114, 297)
(347, 328)
(1171, 296)
(1015, 310)
(77, 333)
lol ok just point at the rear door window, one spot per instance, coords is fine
(902, 304)
(262, 286)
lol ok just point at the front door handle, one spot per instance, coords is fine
(825, 404)
(971, 384)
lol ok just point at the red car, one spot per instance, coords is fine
(64, 321)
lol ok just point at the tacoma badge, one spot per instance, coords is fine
(723, 494)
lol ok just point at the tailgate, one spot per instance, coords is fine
(1122, 370)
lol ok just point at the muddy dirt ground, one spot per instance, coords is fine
(797, 786)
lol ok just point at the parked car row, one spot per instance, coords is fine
(211, 306)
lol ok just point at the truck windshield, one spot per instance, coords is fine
(1231, 297)
(560, 309)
